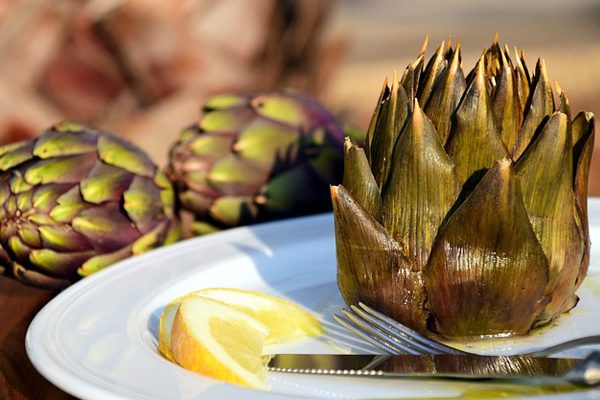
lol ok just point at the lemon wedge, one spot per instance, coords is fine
(222, 332)
(219, 341)
(287, 322)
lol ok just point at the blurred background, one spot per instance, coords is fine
(142, 68)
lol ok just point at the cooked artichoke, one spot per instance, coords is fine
(75, 200)
(465, 213)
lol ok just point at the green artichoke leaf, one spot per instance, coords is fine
(380, 108)
(411, 78)
(233, 210)
(226, 121)
(18, 248)
(213, 145)
(196, 202)
(522, 80)
(101, 261)
(17, 182)
(292, 190)
(443, 102)
(360, 182)
(372, 267)
(264, 141)
(68, 169)
(421, 189)
(69, 126)
(45, 197)
(162, 181)
(433, 71)
(225, 101)
(563, 106)
(505, 104)
(63, 238)
(173, 232)
(29, 235)
(59, 264)
(105, 227)
(34, 278)
(10, 147)
(121, 154)
(16, 155)
(143, 203)
(387, 131)
(203, 228)
(583, 148)
(150, 240)
(281, 108)
(68, 205)
(23, 201)
(234, 175)
(541, 105)
(56, 143)
(548, 163)
(474, 142)
(487, 272)
(104, 183)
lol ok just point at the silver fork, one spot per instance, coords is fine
(392, 337)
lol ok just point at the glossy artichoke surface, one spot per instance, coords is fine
(254, 158)
(75, 200)
(465, 213)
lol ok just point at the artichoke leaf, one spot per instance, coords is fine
(234, 175)
(62, 238)
(379, 109)
(522, 81)
(548, 163)
(104, 183)
(583, 147)
(34, 278)
(224, 101)
(16, 155)
(262, 140)
(56, 143)
(443, 102)
(359, 180)
(421, 189)
(372, 267)
(282, 108)
(143, 204)
(474, 142)
(433, 71)
(68, 169)
(505, 104)
(388, 131)
(541, 105)
(122, 154)
(233, 210)
(58, 264)
(105, 227)
(487, 272)
(101, 261)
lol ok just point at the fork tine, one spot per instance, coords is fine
(358, 332)
(375, 333)
(395, 334)
(445, 349)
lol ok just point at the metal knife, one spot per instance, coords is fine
(585, 372)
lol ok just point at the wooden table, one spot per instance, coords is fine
(18, 379)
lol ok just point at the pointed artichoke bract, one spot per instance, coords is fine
(487, 272)
(75, 200)
(470, 220)
(255, 158)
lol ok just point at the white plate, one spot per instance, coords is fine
(97, 339)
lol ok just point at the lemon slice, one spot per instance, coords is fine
(287, 322)
(219, 341)
(164, 328)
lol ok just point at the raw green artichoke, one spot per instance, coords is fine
(465, 213)
(75, 200)
(256, 158)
